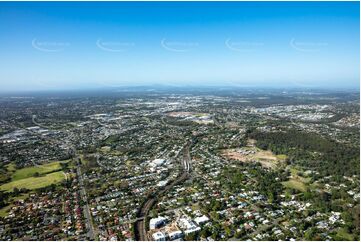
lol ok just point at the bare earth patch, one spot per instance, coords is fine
(253, 154)
(200, 118)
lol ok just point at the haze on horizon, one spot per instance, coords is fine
(74, 45)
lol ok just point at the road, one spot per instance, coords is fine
(263, 228)
(140, 227)
(140, 224)
(131, 221)
(83, 194)
(86, 210)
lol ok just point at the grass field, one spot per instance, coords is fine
(295, 184)
(4, 175)
(342, 234)
(11, 167)
(296, 181)
(111, 139)
(30, 171)
(34, 182)
(105, 149)
(281, 157)
(24, 178)
(5, 210)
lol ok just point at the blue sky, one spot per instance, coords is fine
(71, 45)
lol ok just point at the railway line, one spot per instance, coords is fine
(140, 224)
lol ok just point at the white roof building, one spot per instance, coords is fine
(201, 220)
(175, 235)
(162, 183)
(157, 162)
(189, 231)
(188, 225)
(156, 222)
(158, 236)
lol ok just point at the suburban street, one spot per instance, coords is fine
(140, 227)
(86, 210)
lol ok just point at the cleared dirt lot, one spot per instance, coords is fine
(250, 153)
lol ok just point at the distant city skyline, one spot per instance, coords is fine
(79, 45)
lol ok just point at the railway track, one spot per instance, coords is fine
(140, 224)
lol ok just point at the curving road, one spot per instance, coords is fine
(140, 224)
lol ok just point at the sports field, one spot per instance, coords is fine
(41, 169)
(32, 183)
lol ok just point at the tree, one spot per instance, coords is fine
(190, 237)
(205, 233)
(228, 232)
(215, 235)
(64, 165)
(3, 197)
(309, 234)
(16, 191)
